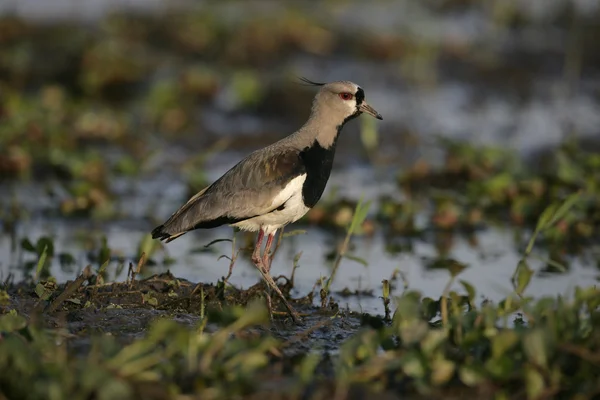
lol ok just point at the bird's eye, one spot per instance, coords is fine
(346, 96)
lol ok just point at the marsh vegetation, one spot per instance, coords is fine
(455, 254)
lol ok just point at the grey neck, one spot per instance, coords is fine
(320, 128)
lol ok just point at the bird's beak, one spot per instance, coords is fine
(364, 107)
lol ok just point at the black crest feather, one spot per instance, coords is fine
(309, 82)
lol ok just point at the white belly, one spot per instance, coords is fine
(294, 209)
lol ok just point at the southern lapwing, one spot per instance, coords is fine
(277, 185)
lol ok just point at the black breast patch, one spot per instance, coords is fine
(317, 162)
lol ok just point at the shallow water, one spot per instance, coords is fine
(528, 100)
(491, 262)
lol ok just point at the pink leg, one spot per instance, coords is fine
(256, 259)
(263, 264)
(266, 256)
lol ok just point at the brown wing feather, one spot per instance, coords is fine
(245, 191)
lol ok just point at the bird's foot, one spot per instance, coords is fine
(273, 285)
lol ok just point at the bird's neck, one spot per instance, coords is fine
(322, 129)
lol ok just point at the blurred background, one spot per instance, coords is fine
(113, 113)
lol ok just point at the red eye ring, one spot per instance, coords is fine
(346, 96)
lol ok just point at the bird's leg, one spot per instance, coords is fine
(271, 282)
(260, 264)
(256, 253)
(266, 255)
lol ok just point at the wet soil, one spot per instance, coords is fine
(82, 309)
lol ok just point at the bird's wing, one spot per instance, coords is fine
(247, 190)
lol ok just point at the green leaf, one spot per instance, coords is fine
(534, 382)
(360, 214)
(470, 289)
(546, 217)
(433, 340)
(43, 292)
(455, 268)
(308, 366)
(150, 299)
(503, 342)
(470, 376)
(103, 267)
(12, 322)
(385, 289)
(522, 277)
(104, 252)
(564, 208)
(442, 371)
(45, 244)
(501, 367)
(535, 347)
(27, 245)
(561, 268)
(357, 259)
(412, 365)
(40, 264)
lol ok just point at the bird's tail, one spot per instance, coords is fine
(161, 233)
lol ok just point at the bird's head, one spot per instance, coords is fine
(341, 100)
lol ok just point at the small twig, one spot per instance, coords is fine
(70, 289)
(294, 267)
(141, 263)
(232, 260)
(129, 274)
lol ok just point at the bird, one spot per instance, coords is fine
(276, 185)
